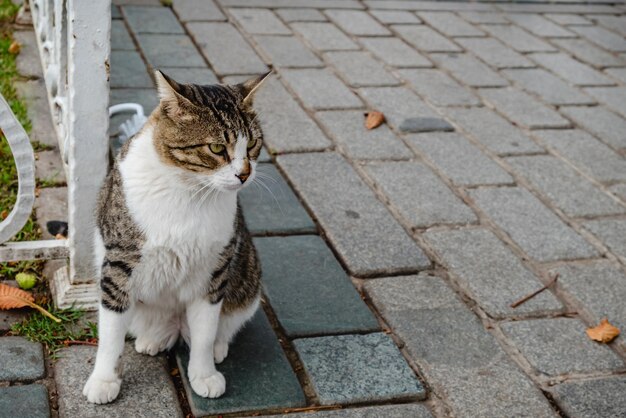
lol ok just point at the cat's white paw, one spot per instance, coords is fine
(152, 347)
(213, 386)
(220, 351)
(98, 390)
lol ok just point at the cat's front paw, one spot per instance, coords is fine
(220, 351)
(212, 386)
(99, 390)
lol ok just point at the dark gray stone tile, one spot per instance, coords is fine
(128, 70)
(203, 10)
(170, 51)
(596, 398)
(320, 89)
(469, 70)
(612, 232)
(417, 125)
(120, 38)
(152, 20)
(29, 401)
(20, 359)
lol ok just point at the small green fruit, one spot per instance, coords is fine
(26, 281)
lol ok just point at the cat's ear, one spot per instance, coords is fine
(249, 87)
(172, 101)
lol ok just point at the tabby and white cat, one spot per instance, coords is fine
(173, 252)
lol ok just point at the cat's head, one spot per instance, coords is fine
(211, 132)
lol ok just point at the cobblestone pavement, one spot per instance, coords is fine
(391, 257)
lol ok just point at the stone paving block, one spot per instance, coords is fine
(367, 238)
(589, 53)
(128, 70)
(428, 317)
(190, 10)
(20, 359)
(12, 316)
(614, 97)
(450, 24)
(320, 89)
(479, 17)
(357, 368)
(225, 48)
(568, 19)
(425, 39)
(547, 86)
(418, 194)
(418, 5)
(115, 12)
(347, 128)
(522, 109)
(49, 166)
(419, 125)
(357, 22)
(469, 70)
(536, 229)
(29, 401)
(260, 21)
(27, 62)
(146, 97)
(602, 37)
(286, 127)
(540, 26)
(495, 53)
(458, 159)
(559, 345)
(493, 131)
(517, 38)
(438, 88)
(50, 205)
(488, 271)
(556, 8)
(287, 51)
(615, 23)
(258, 375)
(612, 232)
(604, 124)
(571, 70)
(35, 96)
(170, 51)
(316, 4)
(388, 411)
(596, 398)
(619, 190)
(301, 271)
(359, 69)
(152, 20)
(394, 52)
(276, 210)
(570, 192)
(202, 76)
(301, 15)
(394, 16)
(587, 153)
(120, 38)
(618, 73)
(324, 36)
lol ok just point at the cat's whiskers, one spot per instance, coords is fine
(259, 181)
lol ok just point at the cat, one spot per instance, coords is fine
(173, 253)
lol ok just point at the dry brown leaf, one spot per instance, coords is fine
(4, 214)
(14, 48)
(12, 298)
(604, 333)
(374, 119)
(59, 236)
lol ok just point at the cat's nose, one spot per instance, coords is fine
(243, 177)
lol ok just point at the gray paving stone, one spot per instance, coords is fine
(27, 61)
(618, 73)
(518, 39)
(50, 205)
(616, 23)
(418, 125)
(388, 411)
(264, 157)
(225, 48)
(438, 88)
(367, 238)
(287, 51)
(612, 232)
(276, 210)
(29, 401)
(190, 10)
(537, 230)
(493, 131)
(324, 36)
(35, 96)
(200, 76)
(572, 70)
(347, 128)
(301, 271)
(559, 345)
(589, 53)
(540, 26)
(587, 153)
(357, 22)
(301, 15)
(596, 398)
(428, 317)
(394, 16)
(568, 19)
(115, 12)
(602, 37)
(317, 4)
(320, 89)
(394, 52)
(522, 109)
(359, 69)
(170, 51)
(450, 24)
(120, 38)
(426, 5)
(570, 192)
(260, 21)
(424, 38)
(128, 70)
(494, 53)
(12, 316)
(20, 359)
(49, 166)
(469, 70)
(599, 286)
(614, 97)
(146, 97)
(258, 375)
(458, 159)
(488, 271)
(286, 127)
(152, 20)
(357, 368)
(547, 86)
(604, 124)
(479, 17)
(619, 190)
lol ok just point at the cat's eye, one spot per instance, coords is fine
(217, 148)
(251, 143)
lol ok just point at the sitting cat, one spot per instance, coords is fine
(172, 250)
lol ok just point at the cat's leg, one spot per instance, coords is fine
(229, 325)
(202, 319)
(155, 328)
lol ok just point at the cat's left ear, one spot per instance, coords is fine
(172, 101)
(249, 87)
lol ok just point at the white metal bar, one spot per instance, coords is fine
(33, 250)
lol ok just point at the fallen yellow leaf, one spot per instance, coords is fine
(14, 48)
(12, 298)
(374, 119)
(604, 333)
